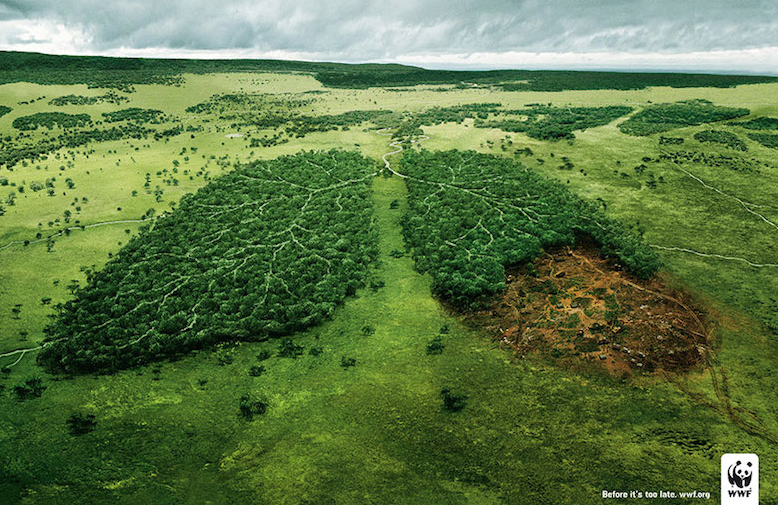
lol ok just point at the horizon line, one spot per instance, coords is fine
(440, 65)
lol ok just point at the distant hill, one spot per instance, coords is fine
(112, 72)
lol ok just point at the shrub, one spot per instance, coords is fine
(250, 407)
(31, 388)
(453, 402)
(435, 346)
(256, 370)
(80, 424)
(288, 349)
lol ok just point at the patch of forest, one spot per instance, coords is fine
(51, 120)
(109, 97)
(266, 112)
(766, 139)
(4, 110)
(556, 123)
(727, 139)
(759, 123)
(134, 114)
(659, 118)
(471, 215)
(225, 102)
(268, 249)
(736, 163)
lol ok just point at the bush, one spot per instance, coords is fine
(31, 388)
(435, 346)
(256, 370)
(453, 402)
(80, 424)
(250, 407)
(672, 141)
(288, 349)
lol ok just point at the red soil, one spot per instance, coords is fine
(578, 307)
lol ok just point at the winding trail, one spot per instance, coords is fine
(747, 206)
(79, 228)
(397, 144)
(23, 352)
(712, 255)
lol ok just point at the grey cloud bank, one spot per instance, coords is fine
(670, 34)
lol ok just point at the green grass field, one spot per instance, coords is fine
(376, 432)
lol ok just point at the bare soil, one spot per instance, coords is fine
(575, 307)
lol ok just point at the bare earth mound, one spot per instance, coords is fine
(575, 307)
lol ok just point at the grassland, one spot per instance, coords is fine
(376, 432)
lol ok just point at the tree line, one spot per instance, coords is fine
(529, 80)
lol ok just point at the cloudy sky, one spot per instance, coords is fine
(723, 35)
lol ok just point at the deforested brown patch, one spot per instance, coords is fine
(576, 307)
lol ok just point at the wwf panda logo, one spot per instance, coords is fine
(740, 475)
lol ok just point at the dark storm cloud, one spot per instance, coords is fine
(370, 30)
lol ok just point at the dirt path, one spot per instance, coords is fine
(397, 144)
(747, 206)
(712, 255)
(77, 228)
